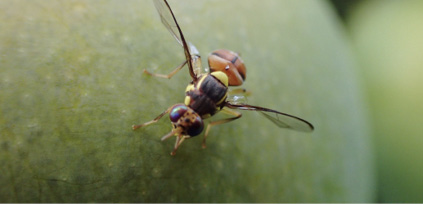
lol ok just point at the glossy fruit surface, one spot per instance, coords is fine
(72, 85)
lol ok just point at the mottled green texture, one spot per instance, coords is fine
(72, 85)
(388, 38)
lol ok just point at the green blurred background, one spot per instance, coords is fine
(71, 85)
(388, 40)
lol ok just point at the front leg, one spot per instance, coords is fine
(178, 142)
(134, 127)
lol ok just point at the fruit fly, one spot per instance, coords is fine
(208, 93)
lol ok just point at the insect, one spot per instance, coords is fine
(208, 93)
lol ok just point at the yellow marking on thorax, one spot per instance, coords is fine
(222, 100)
(187, 100)
(190, 87)
(202, 77)
(222, 77)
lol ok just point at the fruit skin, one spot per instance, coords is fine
(72, 86)
(388, 40)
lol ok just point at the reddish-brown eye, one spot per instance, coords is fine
(230, 63)
(196, 127)
(177, 112)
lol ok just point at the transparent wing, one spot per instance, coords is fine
(238, 96)
(169, 21)
(282, 120)
(166, 17)
(195, 59)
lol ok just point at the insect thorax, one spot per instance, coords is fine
(208, 94)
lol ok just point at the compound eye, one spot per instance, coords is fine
(177, 112)
(196, 127)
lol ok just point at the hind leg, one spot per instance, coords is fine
(167, 76)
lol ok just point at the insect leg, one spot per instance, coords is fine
(134, 127)
(218, 122)
(178, 142)
(168, 76)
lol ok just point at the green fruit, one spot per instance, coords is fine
(72, 85)
(388, 38)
